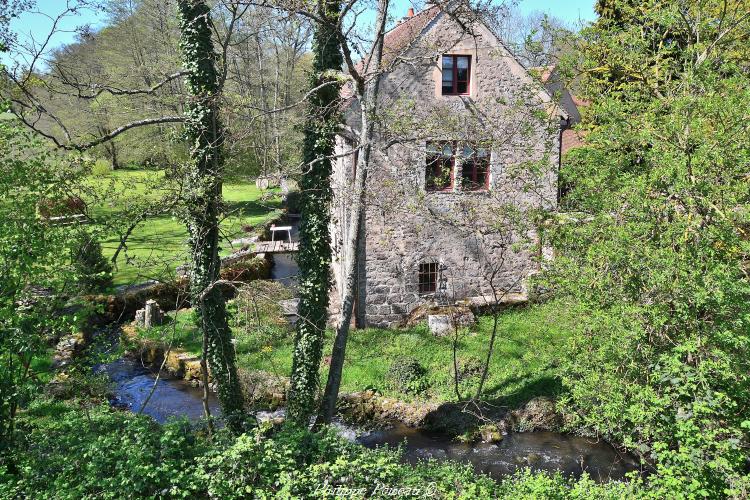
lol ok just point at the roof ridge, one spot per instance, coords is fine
(409, 19)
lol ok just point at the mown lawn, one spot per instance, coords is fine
(159, 244)
(522, 366)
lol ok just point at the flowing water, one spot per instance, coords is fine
(546, 451)
(132, 384)
(285, 268)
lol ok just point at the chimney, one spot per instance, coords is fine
(411, 12)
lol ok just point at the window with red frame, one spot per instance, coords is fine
(428, 277)
(440, 162)
(475, 168)
(456, 74)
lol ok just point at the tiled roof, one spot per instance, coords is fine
(544, 72)
(572, 139)
(397, 40)
(403, 34)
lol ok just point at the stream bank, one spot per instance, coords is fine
(542, 451)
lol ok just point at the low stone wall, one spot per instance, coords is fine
(171, 295)
(179, 363)
(262, 390)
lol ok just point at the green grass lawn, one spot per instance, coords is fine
(522, 365)
(158, 245)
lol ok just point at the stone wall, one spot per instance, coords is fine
(482, 241)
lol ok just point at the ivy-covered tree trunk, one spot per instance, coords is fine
(367, 92)
(315, 249)
(202, 205)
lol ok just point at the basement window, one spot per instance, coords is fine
(428, 277)
(456, 74)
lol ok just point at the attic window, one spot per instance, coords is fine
(456, 74)
(428, 277)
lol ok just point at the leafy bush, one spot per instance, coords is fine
(34, 272)
(657, 256)
(101, 168)
(529, 485)
(92, 271)
(72, 453)
(407, 375)
(68, 452)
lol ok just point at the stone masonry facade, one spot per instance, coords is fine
(479, 245)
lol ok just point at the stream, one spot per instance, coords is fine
(542, 451)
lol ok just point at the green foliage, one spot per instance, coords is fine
(33, 266)
(645, 45)
(70, 452)
(407, 375)
(658, 257)
(528, 485)
(67, 452)
(101, 168)
(92, 272)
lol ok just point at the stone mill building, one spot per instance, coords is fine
(468, 148)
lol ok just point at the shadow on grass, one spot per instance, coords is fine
(546, 386)
(253, 208)
(457, 418)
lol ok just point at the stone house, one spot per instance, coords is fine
(468, 149)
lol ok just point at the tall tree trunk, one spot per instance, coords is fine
(315, 247)
(368, 96)
(202, 205)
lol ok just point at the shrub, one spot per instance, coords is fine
(66, 452)
(92, 271)
(101, 168)
(407, 375)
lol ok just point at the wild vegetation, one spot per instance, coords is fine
(134, 150)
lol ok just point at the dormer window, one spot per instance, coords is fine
(456, 74)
